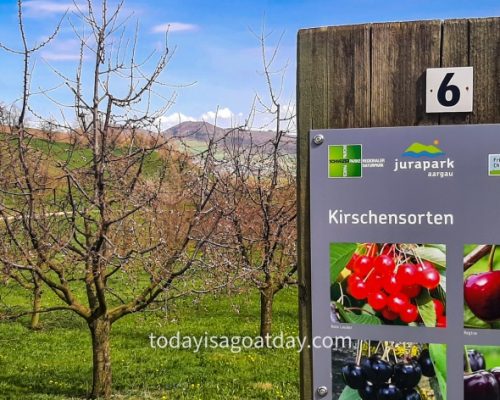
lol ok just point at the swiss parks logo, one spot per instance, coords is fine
(494, 164)
(426, 158)
(345, 161)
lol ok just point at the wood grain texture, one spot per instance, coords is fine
(455, 53)
(349, 76)
(401, 53)
(304, 124)
(374, 75)
(485, 58)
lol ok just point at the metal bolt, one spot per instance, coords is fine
(322, 391)
(318, 139)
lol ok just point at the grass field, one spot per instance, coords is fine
(55, 362)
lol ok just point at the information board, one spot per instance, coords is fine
(405, 275)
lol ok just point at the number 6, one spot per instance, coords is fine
(444, 88)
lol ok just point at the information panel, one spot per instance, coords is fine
(405, 276)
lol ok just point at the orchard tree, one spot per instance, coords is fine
(14, 120)
(257, 193)
(114, 217)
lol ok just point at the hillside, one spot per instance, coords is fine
(200, 131)
(193, 135)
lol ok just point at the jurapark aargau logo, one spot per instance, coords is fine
(345, 161)
(427, 158)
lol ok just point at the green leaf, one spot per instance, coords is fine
(349, 394)
(359, 319)
(340, 254)
(368, 308)
(473, 322)
(443, 280)
(440, 292)
(495, 325)
(438, 357)
(432, 254)
(426, 309)
(441, 247)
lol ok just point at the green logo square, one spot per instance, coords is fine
(344, 161)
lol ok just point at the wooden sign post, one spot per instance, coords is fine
(374, 75)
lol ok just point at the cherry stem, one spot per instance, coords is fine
(492, 257)
(475, 255)
(360, 351)
(467, 361)
(341, 300)
(369, 274)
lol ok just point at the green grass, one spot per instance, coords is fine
(81, 156)
(55, 362)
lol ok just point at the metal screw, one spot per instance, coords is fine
(322, 391)
(318, 139)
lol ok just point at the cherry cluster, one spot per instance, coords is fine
(480, 384)
(377, 379)
(391, 289)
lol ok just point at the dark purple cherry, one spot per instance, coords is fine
(481, 385)
(353, 376)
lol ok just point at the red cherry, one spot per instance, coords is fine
(384, 264)
(409, 314)
(482, 295)
(389, 315)
(353, 279)
(430, 278)
(412, 291)
(375, 282)
(358, 290)
(363, 265)
(439, 307)
(350, 264)
(388, 251)
(397, 302)
(407, 274)
(391, 285)
(425, 265)
(441, 321)
(377, 300)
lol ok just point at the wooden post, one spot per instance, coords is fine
(374, 75)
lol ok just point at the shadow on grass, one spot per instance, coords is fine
(16, 386)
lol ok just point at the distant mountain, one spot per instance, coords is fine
(202, 131)
(195, 130)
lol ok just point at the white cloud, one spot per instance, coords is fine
(52, 56)
(221, 113)
(168, 121)
(223, 118)
(37, 7)
(174, 27)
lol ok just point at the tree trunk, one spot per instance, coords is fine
(37, 303)
(266, 314)
(100, 330)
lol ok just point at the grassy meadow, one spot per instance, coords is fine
(55, 362)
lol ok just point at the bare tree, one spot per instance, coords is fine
(118, 218)
(257, 194)
(14, 121)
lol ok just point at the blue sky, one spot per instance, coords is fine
(216, 55)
